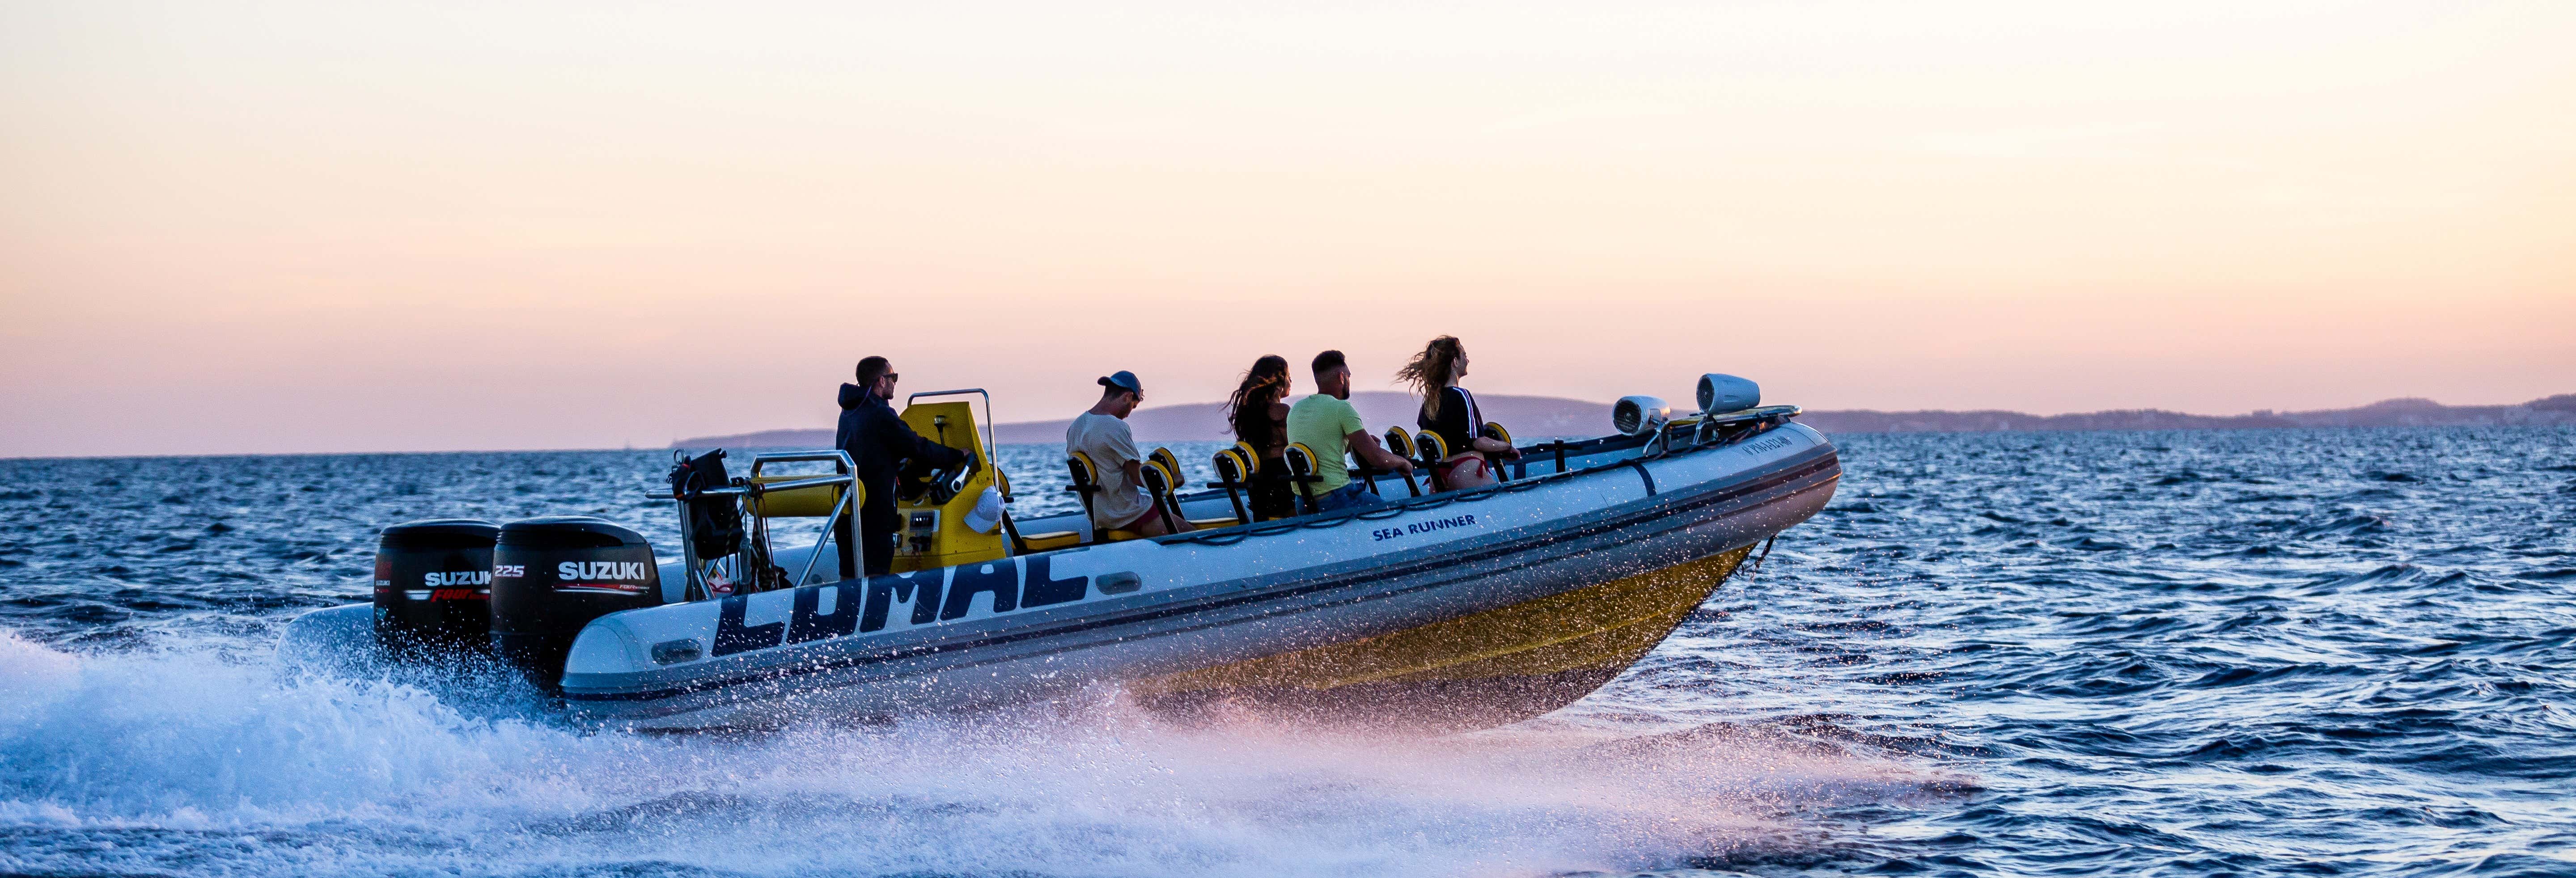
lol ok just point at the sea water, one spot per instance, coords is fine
(2252, 652)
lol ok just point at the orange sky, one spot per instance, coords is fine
(334, 226)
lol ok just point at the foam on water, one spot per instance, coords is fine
(2256, 652)
(181, 761)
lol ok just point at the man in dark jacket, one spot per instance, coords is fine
(879, 443)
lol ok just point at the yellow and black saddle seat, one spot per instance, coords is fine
(1171, 462)
(1261, 477)
(1433, 450)
(1300, 459)
(1162, 473)
(1025, 543)
(1498, 433)
(1401, 445)
(1253, 472)
(1086, 482)
(1357, 466)
(1234, 469)
(1399, 442)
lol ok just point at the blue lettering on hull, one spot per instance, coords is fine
(732, 636)
(1001, 578)
(808, 622)
(917, 587)
(1422, 527)
(934, 595)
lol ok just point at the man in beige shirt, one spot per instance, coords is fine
(1102, 434)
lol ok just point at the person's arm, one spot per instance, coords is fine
(1122, 444)
(944, 455)
(1365, 445)
(898, 441)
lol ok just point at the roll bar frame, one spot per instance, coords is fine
(755, 546)
(988, 415)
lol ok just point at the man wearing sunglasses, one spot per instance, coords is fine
(879, 443)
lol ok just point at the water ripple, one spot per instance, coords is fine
(2256, 652)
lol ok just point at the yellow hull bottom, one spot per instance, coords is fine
(1493, 668)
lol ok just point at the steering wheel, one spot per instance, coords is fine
(944, 484)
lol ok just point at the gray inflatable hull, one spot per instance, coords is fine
(1146, 609)
(1141, 612)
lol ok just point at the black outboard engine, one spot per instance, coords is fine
(551, 576)
(434, 588)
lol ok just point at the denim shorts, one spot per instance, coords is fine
(1351, 496)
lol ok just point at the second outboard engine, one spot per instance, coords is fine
(434, 587)
(551, 576)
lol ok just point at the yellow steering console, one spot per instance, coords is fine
(938, 532)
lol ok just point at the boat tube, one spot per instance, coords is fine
(1442, 610)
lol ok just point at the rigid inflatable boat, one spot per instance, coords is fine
(1441, 610)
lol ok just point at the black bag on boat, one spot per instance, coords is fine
(715, 523)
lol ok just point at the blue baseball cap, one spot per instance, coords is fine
(1124, 380)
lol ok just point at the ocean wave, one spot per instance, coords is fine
(1999, 654)
(193, 760)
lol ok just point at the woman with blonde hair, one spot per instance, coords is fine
(1450, 411)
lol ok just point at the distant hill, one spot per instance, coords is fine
(1535, 416)
(2410, 412)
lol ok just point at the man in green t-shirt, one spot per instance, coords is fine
(1327, 423)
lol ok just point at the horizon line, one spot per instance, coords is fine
(668, 446)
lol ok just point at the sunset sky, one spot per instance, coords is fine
(373, 226)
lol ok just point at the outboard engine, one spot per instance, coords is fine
(551, 576)
(434, 587)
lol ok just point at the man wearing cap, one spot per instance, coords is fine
(1102, 434)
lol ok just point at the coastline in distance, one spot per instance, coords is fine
(1539, 416)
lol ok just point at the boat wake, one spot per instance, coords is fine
(180, 761)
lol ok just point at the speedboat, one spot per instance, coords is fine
(1442, 610)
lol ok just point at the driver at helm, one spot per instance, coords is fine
(879, 444)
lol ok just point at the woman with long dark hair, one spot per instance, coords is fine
(1258, 413)
(1450, 411)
